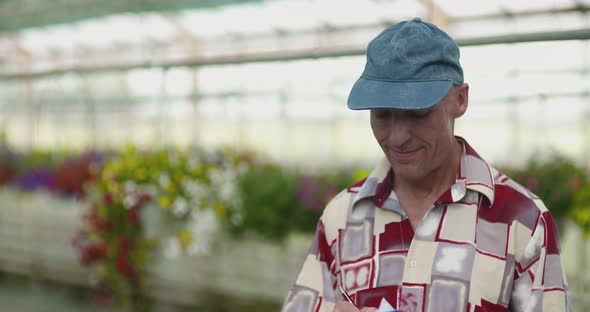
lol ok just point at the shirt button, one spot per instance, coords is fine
(413, 263)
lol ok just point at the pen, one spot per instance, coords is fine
(346, 296)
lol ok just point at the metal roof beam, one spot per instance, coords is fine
(289, 55)
(578, 8)
(21, 14)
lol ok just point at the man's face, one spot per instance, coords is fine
(419, 142)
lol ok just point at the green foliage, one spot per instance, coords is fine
(276, 201)
(267, 203)
(555, 180)
(581, 210)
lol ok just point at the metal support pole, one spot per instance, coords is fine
(31, 114)
(194, 117)
(90, 112)
(289, 55)
(162, 117)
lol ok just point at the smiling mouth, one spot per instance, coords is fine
(404, 154)
(406, 151)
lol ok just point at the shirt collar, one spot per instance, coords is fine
(473, 174)
(476, 171)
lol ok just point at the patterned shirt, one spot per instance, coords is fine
(487, 244)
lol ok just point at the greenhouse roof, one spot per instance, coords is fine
(55, 37)
(20, 14)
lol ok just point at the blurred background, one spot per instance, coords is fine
(175, 155)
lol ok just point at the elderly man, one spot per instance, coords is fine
(434, 227)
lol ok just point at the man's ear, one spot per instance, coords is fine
(462, 99)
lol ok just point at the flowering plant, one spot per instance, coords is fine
(174, 186)
(58, 172)
(278, 200)
(555, 180)
(70, 176)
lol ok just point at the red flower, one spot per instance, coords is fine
(133, 215)
(101, 224)
(7, 172)
(77, 240)
(72, 174)
(92, 253)
(124, 267)
(124, 244)
(144, 198)
(107, 199)
(122, 260)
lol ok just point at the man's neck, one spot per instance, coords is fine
(435, 183)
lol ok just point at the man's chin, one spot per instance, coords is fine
(409, 171)
(409, 175)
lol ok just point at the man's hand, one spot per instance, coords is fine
(345, 306)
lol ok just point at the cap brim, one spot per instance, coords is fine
(375, 94)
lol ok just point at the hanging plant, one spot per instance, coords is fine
(555, 180)
(148, 201)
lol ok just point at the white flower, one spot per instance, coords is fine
(130, 186)
(215, 176)
(130, 200)
(203, 226)
(195, 190)
(224, 182)
(180, 206)
(164, 180)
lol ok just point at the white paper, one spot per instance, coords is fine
(384, 306)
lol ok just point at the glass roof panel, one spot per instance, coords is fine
(294, 16)
(275, 26)
(463, 8)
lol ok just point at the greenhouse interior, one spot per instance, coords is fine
(177, 155)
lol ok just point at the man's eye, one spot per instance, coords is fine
(420, 114)
(383, 115)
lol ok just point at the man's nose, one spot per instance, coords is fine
(399, 132)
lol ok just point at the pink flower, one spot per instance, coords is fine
(575, 183)
(532, 183)
(314, 194)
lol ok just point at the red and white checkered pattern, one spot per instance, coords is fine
(487, 244)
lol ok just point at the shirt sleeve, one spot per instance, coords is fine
(314, 288)
(539, 280)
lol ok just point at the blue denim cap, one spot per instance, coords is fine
(410, 65)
